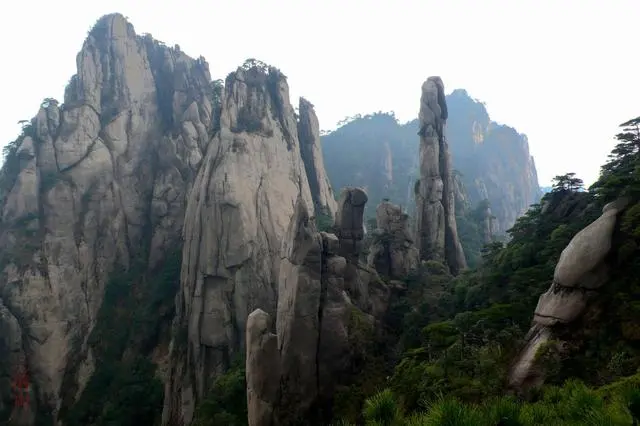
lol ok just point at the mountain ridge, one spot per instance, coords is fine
(176, 249)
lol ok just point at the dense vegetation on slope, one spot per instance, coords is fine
(226, 403)
(573, 404)
(459, 339)
(133, 320)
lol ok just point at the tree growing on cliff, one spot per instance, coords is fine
(620, 175)
(567, 182)
(255, 63)
(49, 101)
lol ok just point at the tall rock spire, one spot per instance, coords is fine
(437, 234)
(311, 152)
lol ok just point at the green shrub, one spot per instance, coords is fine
(226, 402)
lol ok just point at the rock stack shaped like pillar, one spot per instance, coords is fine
(436, 229)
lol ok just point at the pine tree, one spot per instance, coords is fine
(623, 168)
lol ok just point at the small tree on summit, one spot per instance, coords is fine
(567, 182)
(255, 63)
(49, 101)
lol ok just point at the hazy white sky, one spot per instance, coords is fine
(565, 72)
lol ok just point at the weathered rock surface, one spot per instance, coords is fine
(95, 182)
(319, 321)
(311, 151)
(581, 271)
(436, 231)
(392, 252)
(237, 215)
(349, 220)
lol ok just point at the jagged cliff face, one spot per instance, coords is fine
(494, 160)
(436, 230)
(378, 153)
(97, 182)
(237, 215)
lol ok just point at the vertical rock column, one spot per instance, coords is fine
(437, 234)
(311, 152)
(299, 315)
(349, 221)
(282, 370)
(487, 225)
(262, 369)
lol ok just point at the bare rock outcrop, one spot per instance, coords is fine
(97, 181)
(582, 270)
(318, 322)
(237, 214)
(311, 151)
(392, 252)
(436, 230)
